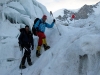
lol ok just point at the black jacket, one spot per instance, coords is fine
(26, 38)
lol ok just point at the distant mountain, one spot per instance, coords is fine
(82, 13)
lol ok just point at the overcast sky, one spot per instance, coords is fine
(53, 5)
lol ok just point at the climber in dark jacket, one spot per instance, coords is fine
(26, 42)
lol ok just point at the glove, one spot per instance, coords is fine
(21, 48)
(22, 45)
(53, 20)
(32, 47)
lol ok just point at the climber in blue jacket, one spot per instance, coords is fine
(40, 27)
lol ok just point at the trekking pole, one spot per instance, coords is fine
(58, 29)
(57, 26)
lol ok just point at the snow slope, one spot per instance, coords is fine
(59, 12)
(97, 11)
(75, 52)
(25, 12)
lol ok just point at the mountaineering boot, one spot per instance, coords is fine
(46, 47)
(38, 51)
(29, 59)
(22, 67)
(45, 44)
(30, 63)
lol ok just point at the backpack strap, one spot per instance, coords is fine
(39, 24)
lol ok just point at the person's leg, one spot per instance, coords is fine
(44, 41)
(38, 51)
(22, 64)
(41, 36)
(28, 54)
(45, 44)
(29, 58)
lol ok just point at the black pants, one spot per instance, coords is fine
(27, 55)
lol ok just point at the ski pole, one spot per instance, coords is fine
(58, 30)
(57, 27)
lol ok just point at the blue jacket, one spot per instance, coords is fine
(42, 25)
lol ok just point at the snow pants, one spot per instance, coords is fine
(27, 55)
(41, 36)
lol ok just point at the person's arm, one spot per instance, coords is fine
(20, 38)
(32, 41)
(50, 26)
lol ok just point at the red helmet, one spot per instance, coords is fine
(73, 16)
(44, 17)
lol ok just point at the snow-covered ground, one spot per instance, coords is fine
(75, 52)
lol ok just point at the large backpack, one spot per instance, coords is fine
(33, 28)
(21, 30)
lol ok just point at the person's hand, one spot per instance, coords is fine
(21, 48)
(54, 20)
(32, 47)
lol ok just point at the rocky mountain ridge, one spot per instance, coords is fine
(83, 13)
